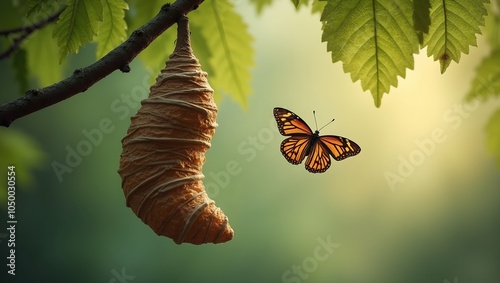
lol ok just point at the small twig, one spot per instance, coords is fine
(82, 79)
(183, 40)
(34, 26)
(25, 32)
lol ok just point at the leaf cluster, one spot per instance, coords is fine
(376, 39)
(486, 84)
(220, 38)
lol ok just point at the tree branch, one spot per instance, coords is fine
(25, 32)
(82, 79)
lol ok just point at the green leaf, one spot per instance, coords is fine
(41, 60)
(421, 18)
(493, 135)
(143, 11)
(77, 25)
(230, 45)
(201, 50)
(42, 7)
(316, 7)
(487, 81)
(35, 6)
(21, 151)
(375, 40)
(19, 65)
(261, 4)
(493, 24)
(453, 29)
(113, 28)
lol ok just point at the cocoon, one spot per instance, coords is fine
(164, 151)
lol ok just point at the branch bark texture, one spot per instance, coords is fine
(82, 79)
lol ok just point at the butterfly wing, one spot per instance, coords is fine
(339, 147)
(294, 148)
(290, 124)
(318, 160)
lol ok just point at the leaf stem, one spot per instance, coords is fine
(375, 38)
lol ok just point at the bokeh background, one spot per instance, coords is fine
(394, 213)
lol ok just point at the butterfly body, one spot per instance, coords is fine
(302, 142)
(312, 141)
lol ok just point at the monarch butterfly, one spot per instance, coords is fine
(304, 142)
(164, 151)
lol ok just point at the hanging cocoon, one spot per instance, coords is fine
(164, 151)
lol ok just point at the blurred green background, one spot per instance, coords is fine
(439, 220)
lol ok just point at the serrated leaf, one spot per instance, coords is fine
(41, 60)
(375, 40)
(230, 44)
(493, 135)
(113, 28)
(454, 25)
(487, 81)
(19, 65)
(77, 25)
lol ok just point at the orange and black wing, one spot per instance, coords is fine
(318, 160)
(290, 124)
(294, 148)
(339, 147)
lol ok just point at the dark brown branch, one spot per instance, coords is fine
(82, 79)
(25, 32)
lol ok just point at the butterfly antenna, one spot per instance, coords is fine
(326, 124)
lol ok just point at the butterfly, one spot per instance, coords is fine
(304, 142)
